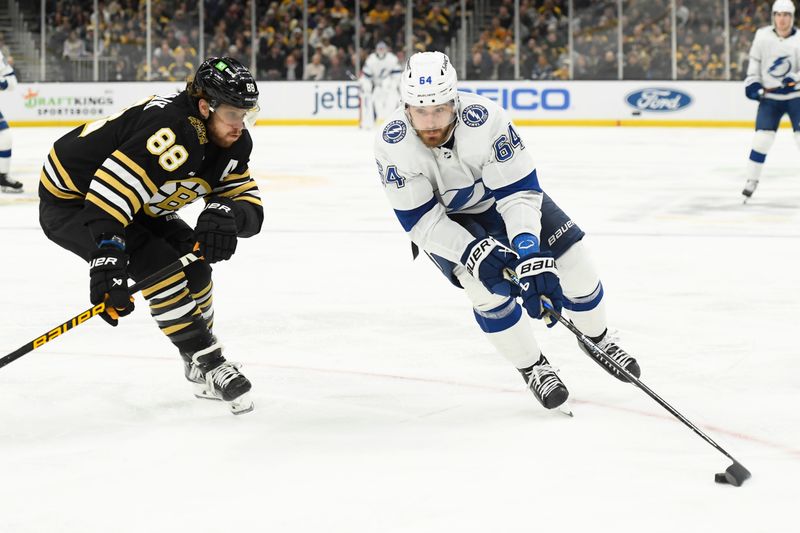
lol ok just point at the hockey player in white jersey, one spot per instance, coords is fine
(772, 77)
(8, 81)
(380, 93)
(464, 186)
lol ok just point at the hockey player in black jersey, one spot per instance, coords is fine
(110, 191)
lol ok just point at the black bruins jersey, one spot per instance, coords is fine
(150, 159)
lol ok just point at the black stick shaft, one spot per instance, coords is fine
(80, 318)
(633, 379)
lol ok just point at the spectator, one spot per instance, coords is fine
(291, 68)
(74, 47)
(314, 70)
(476, 69)
(336, 69)
(272, 67)
(180, 69)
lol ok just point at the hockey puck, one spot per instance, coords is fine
(720, 478)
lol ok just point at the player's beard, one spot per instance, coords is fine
(434, 138)
(221, 134)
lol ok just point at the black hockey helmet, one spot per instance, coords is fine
(224, 80)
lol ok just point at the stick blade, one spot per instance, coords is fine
(736, 474)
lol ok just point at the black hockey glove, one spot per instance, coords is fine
(216, 230)
(486, 259)
(108, 282)
(538, 281)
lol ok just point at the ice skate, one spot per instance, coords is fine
(214, 378)
(8, 185)
(543, 382)
(608, 343)
(749, 189)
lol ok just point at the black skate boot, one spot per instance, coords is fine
(608, 343)
(218, 379)
(9, 185)
(543, 382)
(749, 188)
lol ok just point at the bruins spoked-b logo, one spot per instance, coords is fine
(394, 131)
(474, 115)
(173, 195)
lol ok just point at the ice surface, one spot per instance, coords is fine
(379, 405)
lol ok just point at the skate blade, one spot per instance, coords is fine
(565, 409)
(200, 391)
(241, 405)
(9, 190)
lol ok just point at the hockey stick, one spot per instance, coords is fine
(735, 475)
(791, 84)
(80, 318)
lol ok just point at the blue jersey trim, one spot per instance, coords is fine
(758, 157)
(585, 303)
(500, 318)
(5, 153)
(408, 219)
(528, 183)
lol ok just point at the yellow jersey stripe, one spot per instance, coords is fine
(231, 177)
(240, 189)
(55, 191)
(113, 211)
(250, 199)
(202, 293)
(169, 330)
(63, 172)
(119, 187)
(150, 291)
(137, 169)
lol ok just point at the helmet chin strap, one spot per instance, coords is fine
(451, 132)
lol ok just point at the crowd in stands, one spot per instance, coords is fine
(331, 52)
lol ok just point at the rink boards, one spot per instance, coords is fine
(530, 103)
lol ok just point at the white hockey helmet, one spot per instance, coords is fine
(381, 49)
(783, 6)
(429, 79)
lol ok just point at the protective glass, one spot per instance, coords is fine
(431, 117)
(233, 116)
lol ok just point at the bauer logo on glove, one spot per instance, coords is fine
(486, 260)
(535, 265)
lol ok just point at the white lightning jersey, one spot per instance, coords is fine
(379, 69)
(772, 58)
(8, 78)
(484, 164)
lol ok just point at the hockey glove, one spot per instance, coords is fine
(486, 260)
(216, 230)
(538, 279)
(754, 91)
(108, 282)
